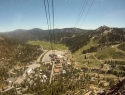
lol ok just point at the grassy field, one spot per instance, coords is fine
(79, 57)
(90, 63)
(90, 44)
(122, 47)
(48, 45)
(109, 52)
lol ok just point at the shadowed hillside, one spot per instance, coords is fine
(39, 34)
(74, 38)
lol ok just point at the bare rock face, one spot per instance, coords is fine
(118, 89)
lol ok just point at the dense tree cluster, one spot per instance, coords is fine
(122, 47)
(92, 49)
(77, 42)
(13, 53)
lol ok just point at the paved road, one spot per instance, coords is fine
(35, 64)
(46, 56)
(32, 66)
(38, 60)
(51, 75)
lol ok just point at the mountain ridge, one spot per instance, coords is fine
(74, 38)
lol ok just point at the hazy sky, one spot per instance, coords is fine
(28, 14)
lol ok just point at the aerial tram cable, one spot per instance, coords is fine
(48, 24)
(47, 11)
(82, 11)
(53, 23)
(46, 15)
(87, 13)
(51, 34)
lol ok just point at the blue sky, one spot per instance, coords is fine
(28, 14)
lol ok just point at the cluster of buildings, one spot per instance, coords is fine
(57, 65)
(33, 74)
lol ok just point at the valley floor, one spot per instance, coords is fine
(64, 73)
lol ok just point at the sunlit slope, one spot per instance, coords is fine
(109, 53)
(122, 47)
(79, 55)
(103, 44)
(101, 52)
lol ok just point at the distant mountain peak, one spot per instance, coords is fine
(103, 27)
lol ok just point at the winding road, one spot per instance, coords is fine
(32, 66)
